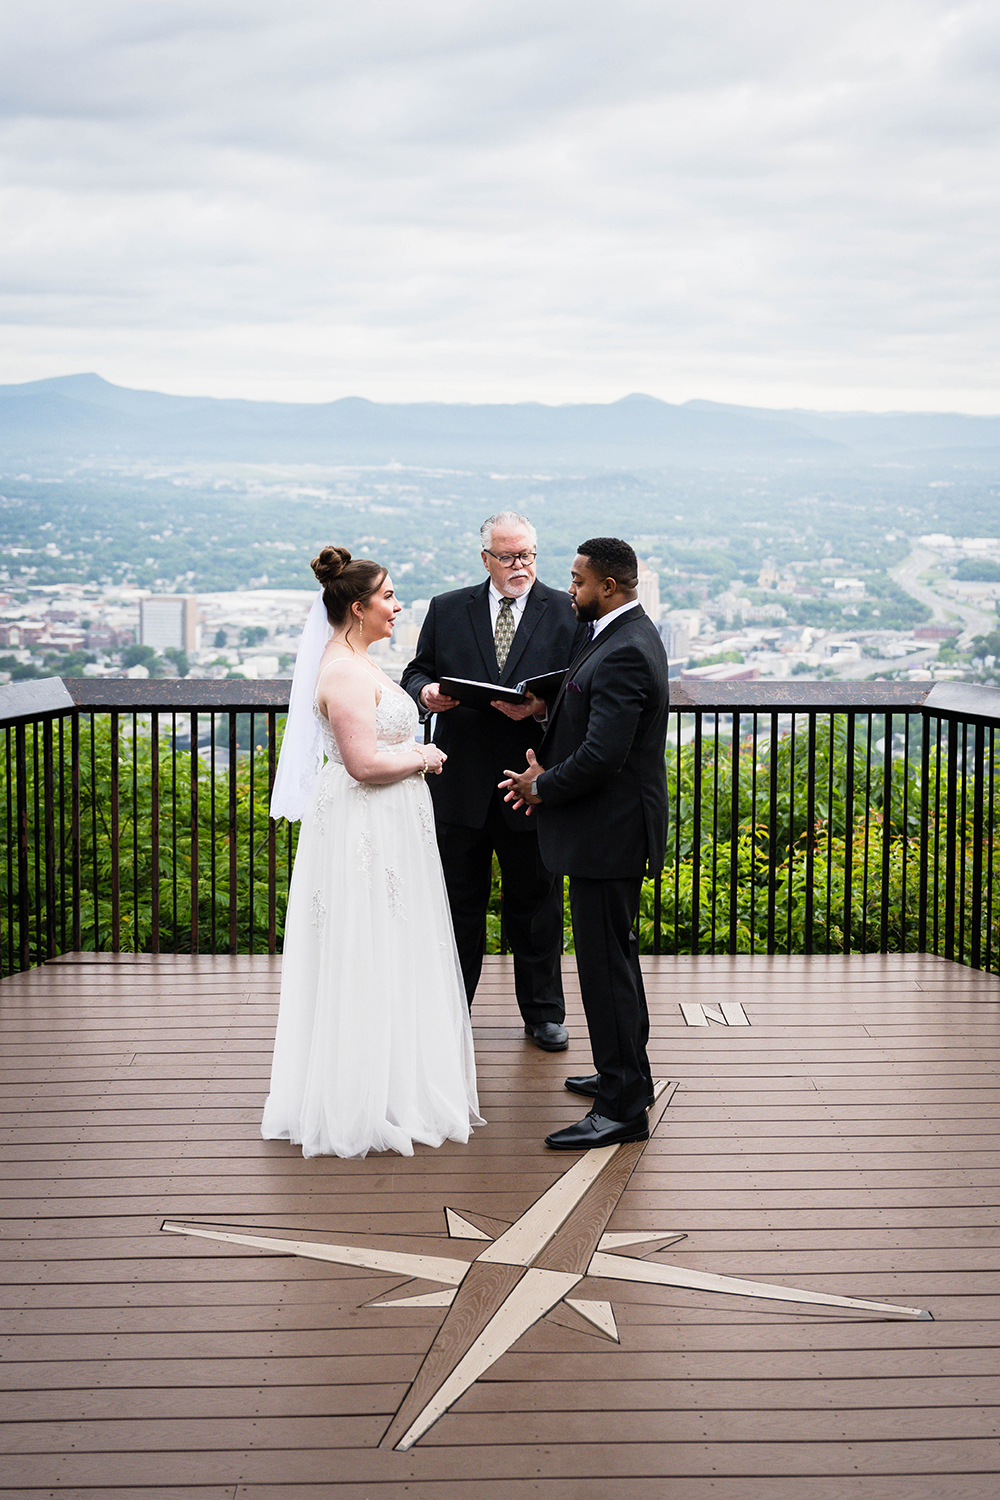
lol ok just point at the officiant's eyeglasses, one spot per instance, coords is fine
(506, 558)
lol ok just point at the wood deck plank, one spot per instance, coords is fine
(847, 1141)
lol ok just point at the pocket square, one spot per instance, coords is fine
(573, 687)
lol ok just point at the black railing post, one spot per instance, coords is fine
(252, 848)
(48, 814)
(754, 746)
(772, 835)
(904, 836)
(925, 831)
(173, 830)
(233, 922)
(951, 835)
(715, 833)
(886, 834)
(195, 893)
(696, 841)
(677, 840)
(61, 845)
(849, 754)
(7, 959)
(976, 907)
(734, 832)
(990, 837)
(810, 830)
(21, 818)
(789, 900)
(154, 831)
(136, 908)
(76, 855)
(828, 920)
(272, 848)
(211, 819)
(116, 892)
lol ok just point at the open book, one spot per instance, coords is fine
(481, 694)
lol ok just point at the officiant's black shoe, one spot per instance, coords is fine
(550, 1036)
(595, 1130)
(589, 1084)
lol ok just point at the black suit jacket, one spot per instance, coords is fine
(603, 813)
(456, 640)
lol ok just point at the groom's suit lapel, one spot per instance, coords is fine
(588, 649)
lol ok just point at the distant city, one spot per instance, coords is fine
(102, 630)
(143, 534)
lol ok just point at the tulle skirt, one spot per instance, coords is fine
(374, 1044)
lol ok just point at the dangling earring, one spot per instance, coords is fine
(361, 627)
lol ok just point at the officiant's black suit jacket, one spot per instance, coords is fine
(604, 802)
(456, 640)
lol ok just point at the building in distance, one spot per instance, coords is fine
(649, 591)
(169, 620)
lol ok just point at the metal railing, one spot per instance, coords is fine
(805, 817)
(137, 818)
(831, 818)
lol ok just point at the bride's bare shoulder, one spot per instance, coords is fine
(342, 673)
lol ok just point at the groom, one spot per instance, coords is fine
(598, 788)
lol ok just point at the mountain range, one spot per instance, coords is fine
(84, 416)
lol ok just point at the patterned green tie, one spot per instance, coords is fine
(504, 632)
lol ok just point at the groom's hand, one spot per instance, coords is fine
(518, 785)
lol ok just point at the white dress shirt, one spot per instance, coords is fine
(516, 612)
(611, 615)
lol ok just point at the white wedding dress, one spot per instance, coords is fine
(374, 1044)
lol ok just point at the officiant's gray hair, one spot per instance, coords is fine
(512, 520)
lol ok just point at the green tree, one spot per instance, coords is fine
(141, 656)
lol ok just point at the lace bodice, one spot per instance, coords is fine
(396, 720)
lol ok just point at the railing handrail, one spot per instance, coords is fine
(24, 701)
(43, 697)
(39, 698)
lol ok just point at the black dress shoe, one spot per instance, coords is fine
(595, 1130)
(550, 1036)
(589, 1085)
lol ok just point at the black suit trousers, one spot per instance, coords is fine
(614, 999)
(532, 909)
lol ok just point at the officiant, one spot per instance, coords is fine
(508, 628)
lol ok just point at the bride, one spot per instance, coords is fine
(374, 1044)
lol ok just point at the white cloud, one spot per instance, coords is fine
(491, 200)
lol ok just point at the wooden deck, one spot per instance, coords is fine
(846, 1142)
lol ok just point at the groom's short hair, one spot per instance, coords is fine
(610, 557)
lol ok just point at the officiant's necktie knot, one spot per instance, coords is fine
(504, 633)
(591, 627)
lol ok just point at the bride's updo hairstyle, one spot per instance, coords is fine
(345, 581)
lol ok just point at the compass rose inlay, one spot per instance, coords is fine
(501, 1278)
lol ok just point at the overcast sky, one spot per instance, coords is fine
(555, 200)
